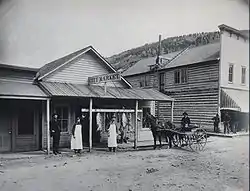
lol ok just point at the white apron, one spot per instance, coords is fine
(76, 143)
(112, 141)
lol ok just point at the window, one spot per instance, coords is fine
(243, 75)
(26, 121)
(184, 75)
(230, 73)
(180, 76)
(147, 80)
(63, 117)
(177, 77)
(142, 81)
(162, 82)
(144, 112)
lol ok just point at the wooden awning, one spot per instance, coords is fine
(21, 90)
(56, 89)
(235, 100)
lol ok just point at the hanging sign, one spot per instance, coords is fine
(104, 78)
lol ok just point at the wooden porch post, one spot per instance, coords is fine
(48, 126)
(172, 111)
(136, 125)
(90, 123)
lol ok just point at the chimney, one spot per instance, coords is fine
(159, 51)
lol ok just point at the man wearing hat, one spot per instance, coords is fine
(185, 121)
(55, 133)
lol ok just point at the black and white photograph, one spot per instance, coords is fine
(124, 95)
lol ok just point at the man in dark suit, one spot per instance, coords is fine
(185, 122)
(55, 133)
(227, 120)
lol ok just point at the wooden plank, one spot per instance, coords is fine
(90, 123)
(136, 125)
(48, 126)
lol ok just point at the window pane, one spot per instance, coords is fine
(230, 73)
(183, 76)
(243, 75)
(147, 79)
(177, 77)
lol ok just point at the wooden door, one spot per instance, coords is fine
(5, 132)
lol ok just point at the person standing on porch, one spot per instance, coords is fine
(216, 120)
(112, 135)
(76, 138)
(55, 133)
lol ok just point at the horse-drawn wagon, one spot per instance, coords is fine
(194, 136)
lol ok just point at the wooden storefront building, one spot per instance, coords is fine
(28, 98)
(200, 79)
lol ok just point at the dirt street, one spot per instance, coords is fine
(223, 166)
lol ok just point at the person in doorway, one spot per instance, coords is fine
(227, 120)
(76, 139)
(185, 121)
(112, 135)
(55, 133)
(216, 120)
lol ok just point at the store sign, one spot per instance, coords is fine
(104, 78)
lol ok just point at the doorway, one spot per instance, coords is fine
(5, 132)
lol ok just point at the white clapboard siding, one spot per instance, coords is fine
(78, 71)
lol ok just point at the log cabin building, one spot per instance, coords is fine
(28, 97)
(203, 80)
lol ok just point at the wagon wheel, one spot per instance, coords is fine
(198, 140)
(193, 143)
(176, 140)
(201, 138)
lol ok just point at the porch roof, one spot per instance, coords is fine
(234, 100)
(57, 89)
(20, 89)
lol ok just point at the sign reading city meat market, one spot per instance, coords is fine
(104, 78)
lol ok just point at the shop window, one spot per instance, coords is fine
(230, 73)
(162, 82)
(63, 117)
(243, 75)
(180, 76)
(26, 121)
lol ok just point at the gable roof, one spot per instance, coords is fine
(195, 55)
(55, 65)
(191, 55)
(242, 33)
(142, 66)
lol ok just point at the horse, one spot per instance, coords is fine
(159, 130)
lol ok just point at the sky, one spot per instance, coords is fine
(35, 32)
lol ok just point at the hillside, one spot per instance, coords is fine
(127, 58)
